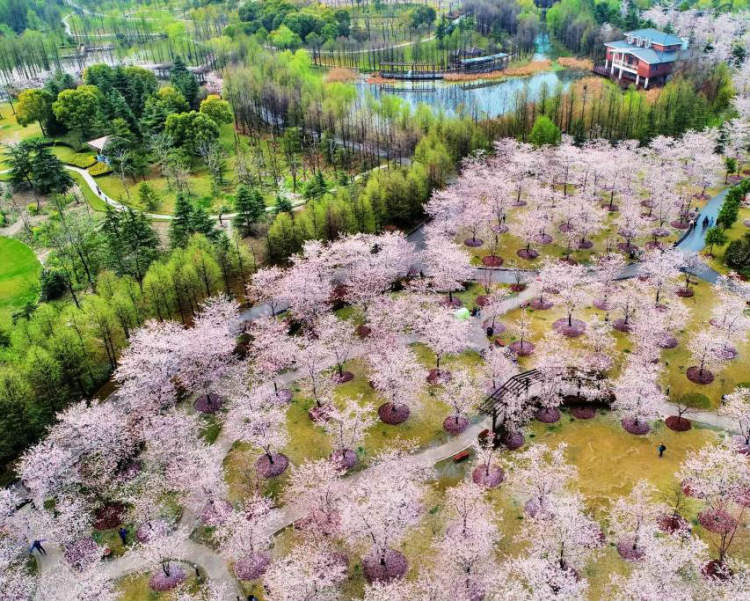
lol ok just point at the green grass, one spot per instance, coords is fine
(737, 231)
(71, 157)
(96, 203)
(135, 587)
(10, 131)
(19, 275)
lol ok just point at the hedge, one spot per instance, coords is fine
(98, 169)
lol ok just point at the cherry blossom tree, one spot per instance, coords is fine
(307, 283)
(552, 358)
(662, 269)
(729, 319)
(720, 477)
(476, 218)
(311, 571)
(272, 351)
(534, 578)
(265, 288)
(736, 405)
(161, 555)
(347, 427)
(527, 227)
(564, 534)
(608, 269)
(487, 472)
(244, 538)
(550, 274)
(571, 288)
(707, 352)
(462, 394)
(446, 265)
(316, 485)
(396, 375)
(495, 306)
(338, 339)
(444, 334)
(638, 395)
(599, 346)
(634, 518)
(498, 368)
(540, 473)
(380, 508)
(521, 328)
(313, 357)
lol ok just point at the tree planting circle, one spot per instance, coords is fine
(717, 521)
(671, 523)
(482, 300)
(473, 242)
(151, 529)
(519, 203)
(639, 427)
(346, 459)
(532, 508)
(492, 261)
(252, 566)
(689, 490)
(628, 551)
(160, 581)
(540, 304)
(499, 228)
(319, 413)
(454, 425)
(660, 232)
(393, 414)
(488, 478)
(666, 341)
(451, 302)
(678, 424)
(679, 225)
(565, 227)
(726, 352)
(548, 415)
(699, 376)
(583, 411)
(283, 396)
(363, 331)
(585, 244)
(602, 304)
(439, 376)
(571, 329)
(208, 403)
(741, 445)
(108, 516)
(392, 566)
(715, 569)
(343, 377)
(498, 328)
(651, 245)
(527, 253)
(543, 239)
(621, 325)
(683, 292)
(648, 203)
(512, 440)
(626, 247)
(612, 208)
(522, 349)
(518, 287)
(270, 469)
(215, 512)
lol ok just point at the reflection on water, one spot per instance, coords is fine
(477, 99)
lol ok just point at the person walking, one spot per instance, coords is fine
(661, 448)
(123, 532)
(37, 545)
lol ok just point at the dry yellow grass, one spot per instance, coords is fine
(341, 74)
(517, 71)
(571, 62)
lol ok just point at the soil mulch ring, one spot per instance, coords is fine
(630, 425)
(716, 569)
(543, 239)
(482, 300)
(621, 325)
(548, 415)
(208, 403)
(583, 411)
(363, 331)
(602, 304)
(717, 521)
(343, 377)
(585, 244)
(346, 459)
(698, 376)
(512, 440)
(522, 349)
(667, 341)
(671, 523)
(392, 567)
(270, 469)
(498, 328)
(541, 304)
(252, 566)
(283, 396)
(679, 225)
(439, 376)
(683, 292)
(492, 261)
(627, 551)
(109, 516)
(451, 302)
(473, 242)
(393, 415)
(575, 328)
(527, 253)
(678, 424)
(490, 479)
(499, 228)
(518, 287)
(161, 581)
(454, 425)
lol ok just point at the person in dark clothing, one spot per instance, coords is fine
(37, 544)
(661, 448)
(123, 532)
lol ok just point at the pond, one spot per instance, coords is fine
(480, 99)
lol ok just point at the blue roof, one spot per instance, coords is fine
(655, 36)
(481, 59)
(647, 55)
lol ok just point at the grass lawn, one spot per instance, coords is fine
(71, 157)
(737, 231)
(135, 587)
(19, 275)
(10, 131)
(96, 203)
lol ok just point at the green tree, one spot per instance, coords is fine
(544, 132)
(147, 197)
(79, 110)
(249, 209)
(715, 235)
(217, 109)
(180, 227)
(184, 81)
(34, 105)
(191, 130)
(48, 173)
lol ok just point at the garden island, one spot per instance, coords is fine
(374, 301)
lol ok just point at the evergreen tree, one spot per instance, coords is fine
(249, 208)
(48, 173)
(202, 223)
(181, 226)
(184, 81)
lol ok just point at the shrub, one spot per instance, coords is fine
(32, 208)
(81, 160)
(52, 284)
(98, 169)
